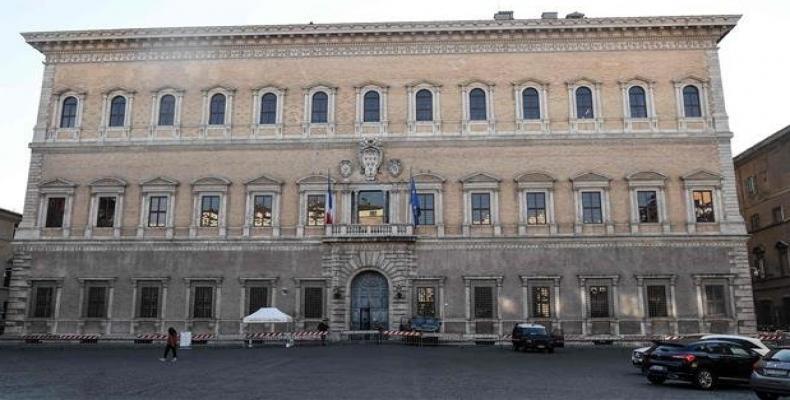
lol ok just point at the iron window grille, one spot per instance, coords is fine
(105, 214)
(714, 301)
(484, 302)
(541, 302)
(313, 302)
(426, 302)
(259, 298)
(599, 301)
(97, 302)
(203, 306)
(657, 301)
(149, 302)
(43, 302)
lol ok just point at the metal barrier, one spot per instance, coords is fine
(60, 338)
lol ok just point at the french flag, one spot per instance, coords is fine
(329, 215)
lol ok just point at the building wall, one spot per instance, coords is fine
(8, 222)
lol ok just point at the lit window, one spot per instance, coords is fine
(209, 211)
(262, 213)
(703, 206)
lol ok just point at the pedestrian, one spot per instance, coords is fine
(323, 327)
(172, 343)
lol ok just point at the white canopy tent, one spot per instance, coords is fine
(267, 315)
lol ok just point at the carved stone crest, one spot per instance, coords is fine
(370, 157)
(345, 168)
(394, 167)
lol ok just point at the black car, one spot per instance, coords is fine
(703, 363)
(532, 337)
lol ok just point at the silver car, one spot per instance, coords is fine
(771, 376)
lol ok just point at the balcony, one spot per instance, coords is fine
(387, 230)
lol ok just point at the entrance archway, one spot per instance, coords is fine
(369, 301)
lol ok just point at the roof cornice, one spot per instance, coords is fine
(747, 154)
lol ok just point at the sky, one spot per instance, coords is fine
(754, 57)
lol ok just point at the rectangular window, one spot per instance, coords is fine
(316, 205)
(149, 302)
(484, 302)
(714, 301)
(157, 211)
(657, 301)
(541, 302)
(97, 302)
(599, 301)
(427, 210)
(703, 206)
(536, 208)
(7, 277)
(755, 221)
(56, 207)
(203, 306)
(313, 302)
(481, 208)
(648, 206)
(426, 302)
(259, 298)
(43, 302)
(262, 210)
(209, 211)
(778, 215)
(751, 185)
(591, 208)
(105, 214)
(371, 207)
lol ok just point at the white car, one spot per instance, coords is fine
(745, 341)
(638, 355)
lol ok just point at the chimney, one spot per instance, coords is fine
(575, 15)
(503, 16)
(548, 15)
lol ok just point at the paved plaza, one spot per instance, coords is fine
(358, 371)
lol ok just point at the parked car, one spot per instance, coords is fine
(771, 376)
(557, 338)
(532, 337)
(703, 363)
(638, 355)
(425, 324)
(745, 341)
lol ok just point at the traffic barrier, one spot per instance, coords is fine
(60, 338)
(150, 338)
(402, 333)
(202, 338)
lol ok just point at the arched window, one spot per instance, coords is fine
(477, 105)
(424, 105)
(318, 115)
(167, 110)
(691, 104)
(268, 109)
(371, 107)
(68, 113)
(584, 103)
(117, 111)
(637, 102)
(531, 103)
(217, 110)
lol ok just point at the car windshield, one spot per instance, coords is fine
(781, 355)
(533, 331)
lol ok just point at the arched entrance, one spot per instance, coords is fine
(369, 301)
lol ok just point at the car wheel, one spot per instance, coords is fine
(656, 380)
(704, 379)
(766, 396)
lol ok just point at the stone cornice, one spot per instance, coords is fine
(392, 38)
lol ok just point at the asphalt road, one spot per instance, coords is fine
(360, 371)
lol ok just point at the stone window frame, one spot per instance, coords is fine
(530, 281)
(262, 185)
(104, 124)
(411, 119)
(669, 281)
(429, 183)
(359, 123)
(57, 284)
(246, 283)
(88, 282)
(55, 131)
(208, 93)
(542, 123)
(493, 281)
(535, 182)
(648, 85)
(573, 119)
(436, 282)
(592, 182)
(466, 122)
(331, 94)
(310, 185)
(702, 180)
(191, 283)
(612, 281)
(211, 185)
(158, 186)
(703, 86)
(57, 187)
(138, 283)
(156, 102)
(259, 129)
(480, 182)
(109, 186)
(299, 285)
(648, 181)
(725, 279)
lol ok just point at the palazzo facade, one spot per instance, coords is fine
(572, 171)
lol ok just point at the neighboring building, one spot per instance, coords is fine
(571, 171)
(8, 223)
(763, 173)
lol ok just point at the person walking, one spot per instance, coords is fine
(172, 343)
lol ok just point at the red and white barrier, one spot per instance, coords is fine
(402, 333)
(51, 337)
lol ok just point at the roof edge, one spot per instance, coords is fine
(751, 151)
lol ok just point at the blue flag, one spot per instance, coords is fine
(414, 201)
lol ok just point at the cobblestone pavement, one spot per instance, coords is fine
(362, 371)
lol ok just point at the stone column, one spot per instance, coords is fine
(18, 294)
